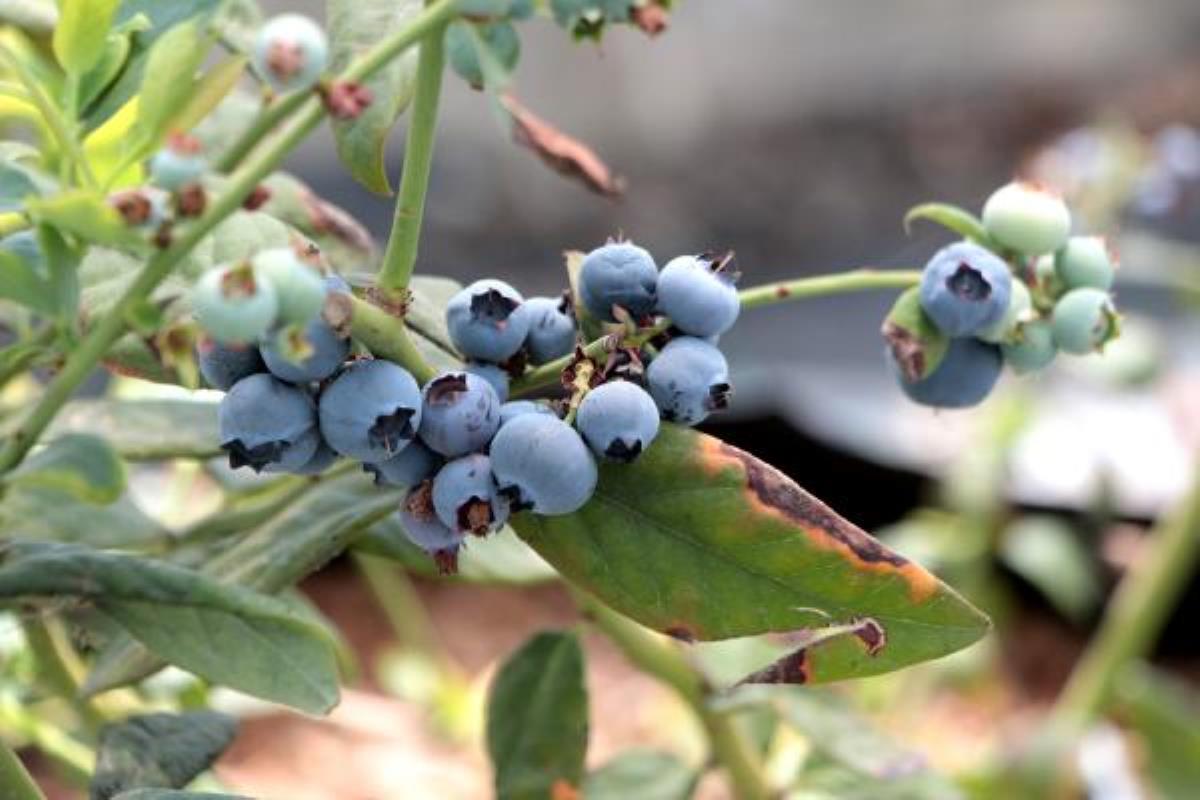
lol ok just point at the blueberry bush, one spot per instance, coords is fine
(366, 409)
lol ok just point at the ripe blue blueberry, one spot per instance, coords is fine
(1032, 347)
(496, 377)
(551, 328)
(1086, 261)
(290, 52)
(465, 496)
(618, 420)
(409, 467)
(515, 408)
(487, 321)
(699, 294)
(965, 288)
(371, 411)
(540, 463)
(618, 274)
(302, 355)
(1084, 321)
(321, 460)
(265, 422)
(1027, 218)
(423, 528)
(964, 377)
(233, 304)
(178, 163)
(224, 365)
(299, 288)
(460, 413)
(689, 379)
(1020, 306)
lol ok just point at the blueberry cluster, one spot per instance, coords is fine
(1033, 291)
(296, 400)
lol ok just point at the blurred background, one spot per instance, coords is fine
(798, 132)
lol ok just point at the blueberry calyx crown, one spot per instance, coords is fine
(475, 515)
(719, 395)
(239, 281)
(721, 264)
(618, 450)
(419, 502)
(255, 457)
(391, 429)
(516, 500)
(446, 389)
(492, 306)
(285, 58)
(969, 284)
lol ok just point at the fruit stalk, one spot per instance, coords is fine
(1137, 612)
(54, 672)
(662, 660)
(100, 338)
(386, 336)
(400, 256)
(855, 280)
(268, 121)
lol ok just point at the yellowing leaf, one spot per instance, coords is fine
(107, 149)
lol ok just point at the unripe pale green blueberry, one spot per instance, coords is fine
(233, 304)
(1084, 320)
(291, 52)
(1032, 347)
(1027, 218)
(1085, 261)
(1020, 304)
(299, 286)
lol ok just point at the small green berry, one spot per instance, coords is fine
(299, 287)
(1085, 261)
(1020, 305)
(291, 52)
(233, 304)
(1032, 346)
(1084, 320)
(1027, 218)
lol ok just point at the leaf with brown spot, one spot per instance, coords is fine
(700, 537)
(563, 153)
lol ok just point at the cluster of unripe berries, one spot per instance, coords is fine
(297, 400)
(1028, 292)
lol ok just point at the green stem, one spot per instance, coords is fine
(1137, 613)
(387, 337)
(266, 123)
(855, 280)
(76, 760)
(50, 654)
(13, 222)
(661, 659)
(15, 781)
(101, 337)
(549, 374)
(395, 595)
(400, 256)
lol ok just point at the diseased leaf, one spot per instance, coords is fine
(917, 345)
(562, 153)
(187, 619)
(81, 465)
(537, 719)
(159, 751)
(641, 773)
(703, 541)
(79, 36)
(354, 26)
(959, 220)
(145, 429)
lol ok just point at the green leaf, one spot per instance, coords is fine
(237, 23)
(1044, 551)
(85, 214)
(62, 268)
(21, 282)
(167, 84)
(159, 751)
(84, 466)
(187, 619)
(959, 220)
(916, 343)
(17, 182)
(45, 514)
(537, 718)
(80, 35)
(208, 93)
(703, 541)
(146, 429)
(642, 774)
(354, 26)
(117, 46)
(1162, 711)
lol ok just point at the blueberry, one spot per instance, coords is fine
(460, 413)
(409, 467)
(1031, 348)
(233, 304)
(688, 379)
(618, 420)
(465, 496)
(1084, 321)
(698, 293)
(551, 328)
(370, 411)
(312, 353)
(178, 163)
(496, 377)
(1020, 306)
(965, 289)
(290, 52)
(224, 365)
(540, 463)
(487, 321)
(321, 460)
(964, 378)
(618, 274)
(515, 408)
(299, 288)
(265, 422)
(426, 531)
(1085, 261)
(1027, 218)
